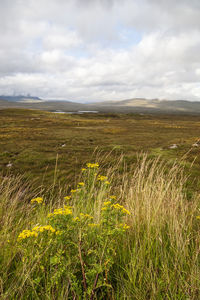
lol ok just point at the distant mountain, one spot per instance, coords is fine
(20, 98)
(135, 105)
(151, 105)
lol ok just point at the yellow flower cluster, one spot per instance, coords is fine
(113, 197)
(92, 166)
(81, 183)
(120, 207)
(61, 211)
(124, 226)
(86, 216)
(26, 233)
(43, 228)
(38, 200)
(67, 197)
(106, 203)
(34, 232)
(58, 232)
(102, 178)
(117, 206)
(73, 191)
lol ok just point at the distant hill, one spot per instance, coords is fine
(151, 105)
(135, 105)
(20, 98)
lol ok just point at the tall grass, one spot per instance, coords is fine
(158, 257)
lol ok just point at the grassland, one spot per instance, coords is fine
(31, 141)
(151, 252)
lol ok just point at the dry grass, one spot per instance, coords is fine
(159, 257)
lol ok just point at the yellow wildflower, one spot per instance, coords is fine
(107, 203)
(102, 178)
(120, 207)
(113, 197)
(83, 169)
(86, 216)
(125, 227)
(27, 233)
(35, 228)
(104, 208)
(38, 200)
(43, 228)
(73, 191)
(92, 166)
(58, 232)
(107, 182)
(67, 197)
(81, 183)
(61, 211)
(198, 217)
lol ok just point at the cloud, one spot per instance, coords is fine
(100, 49)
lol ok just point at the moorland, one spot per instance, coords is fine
(31, 141)
(125, 227)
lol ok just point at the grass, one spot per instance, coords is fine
(157, 257)
(31, 140)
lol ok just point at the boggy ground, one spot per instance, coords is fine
(153, 254)
(34, 142)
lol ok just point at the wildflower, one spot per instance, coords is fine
(58, 232)
(43, 228)
(112, 197)
(107, 203)
(76, 219)
(86, 216)
(104, 208)
(107, 182)
(73, 191)
(92, 166)
(81, 183)
(126, 211)
(121, 208)
(125, 227)
(36, 228)
(27, 233)
(102, 178)
(38, 200)
(61, 211)
(67, 197)
(83, 169)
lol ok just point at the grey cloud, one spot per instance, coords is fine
(73, 49)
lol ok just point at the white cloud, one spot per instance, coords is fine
(100, 49)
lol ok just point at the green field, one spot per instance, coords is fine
(33, 140)
(126, 229)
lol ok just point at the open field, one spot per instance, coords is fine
(126, 228)
(34, 142)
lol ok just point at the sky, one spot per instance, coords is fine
(94, 50)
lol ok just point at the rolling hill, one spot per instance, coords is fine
(135, 105)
